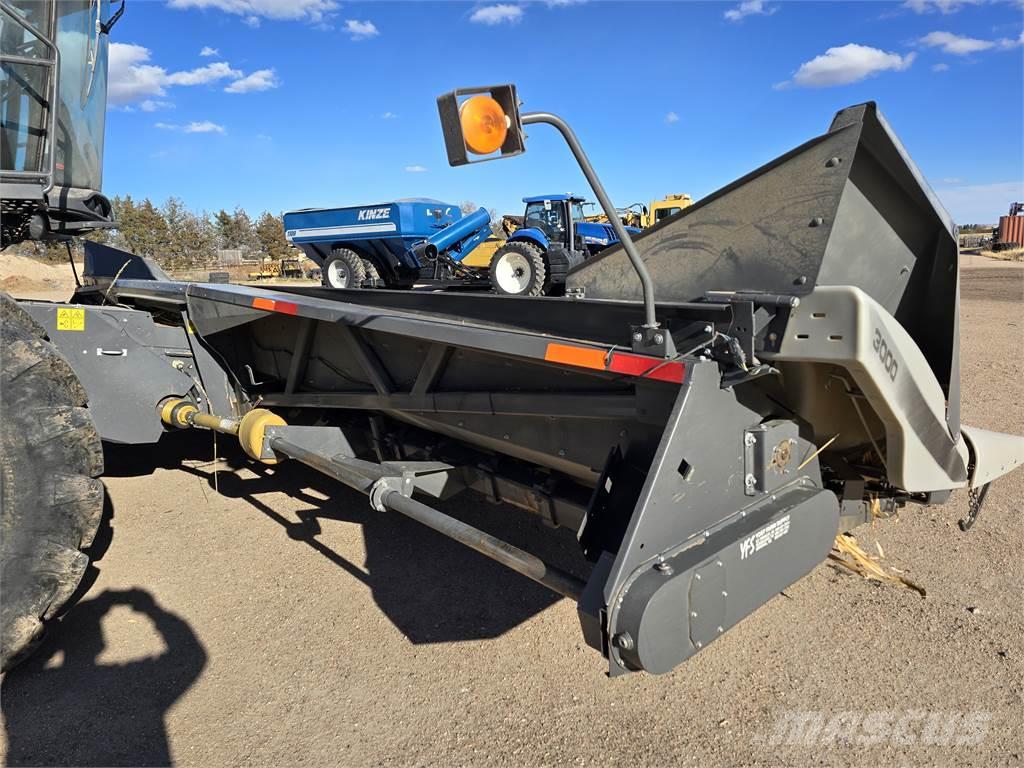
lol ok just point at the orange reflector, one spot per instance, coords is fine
(285, 307)
(579, 356)
(620, 362)
(484, 124)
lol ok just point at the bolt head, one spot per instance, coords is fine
(659, 338)
(623, 640)
(638, 337)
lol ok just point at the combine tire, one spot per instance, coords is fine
(518, 269)
(344, 269)
(50, 500)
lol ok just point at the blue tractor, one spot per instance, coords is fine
(409, 242)
(554, 238)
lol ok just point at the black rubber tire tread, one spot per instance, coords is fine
(536, 259)
(352, 261)
(370, 270)
(558, 267)
(51, 503)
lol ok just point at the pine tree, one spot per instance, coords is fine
(270, 234)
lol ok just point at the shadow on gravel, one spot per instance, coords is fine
(432, 588)
(84, 713)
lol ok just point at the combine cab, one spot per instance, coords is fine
(54, 59)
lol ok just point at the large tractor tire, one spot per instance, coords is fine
(50, 500)
(344, 269)
(518, 269)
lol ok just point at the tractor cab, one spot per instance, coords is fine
(555, 237)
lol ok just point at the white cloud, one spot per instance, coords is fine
(940, 67)
(388, 116)
(848, 63)
(203, 126)
(131, 78)
(260, 80)
(960, 45)
(415, 169)
(940, 6)
(361, 30)
(980, 203)
(501, 13)
(671, 117)
(208, 51)
(152, 105)
(253, 10)
(252, 22)
(202, 75)
(749, 8)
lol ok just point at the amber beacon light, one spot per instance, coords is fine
(484, 124)
(481, 123)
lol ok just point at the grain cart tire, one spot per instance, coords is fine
(344, 269)
(371, 271)
(518, 269)
(50, 500)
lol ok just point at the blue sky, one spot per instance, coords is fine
(280, 104)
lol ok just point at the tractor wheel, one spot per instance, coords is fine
(518, 269)
(344, 269)
(50, 500)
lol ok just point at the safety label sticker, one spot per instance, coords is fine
(70, 319)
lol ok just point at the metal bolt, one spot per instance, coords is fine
(719, 563)
(749, 439)
(693, 614)
(802, 280)
(659, 338)
(720, 630)
(750, 481)
(724, 593)
(623, 640)
(709, 328)
(697, 577)
(664, 569)
(561, 451)
(817, 221)
(700, 644)
(638, 337)
(832, 162)
(505, 437)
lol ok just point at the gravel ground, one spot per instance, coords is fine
(279, 621)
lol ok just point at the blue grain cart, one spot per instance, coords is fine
(391, 245)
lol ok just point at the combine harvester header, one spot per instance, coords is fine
(705, 409)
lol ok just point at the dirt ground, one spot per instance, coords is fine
(271, 618)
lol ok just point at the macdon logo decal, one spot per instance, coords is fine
(369, 214)
(762, 538)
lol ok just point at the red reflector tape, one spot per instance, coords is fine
(649, 368)
(620, 362)
(269, 305)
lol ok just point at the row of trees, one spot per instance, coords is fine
(179, 239)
